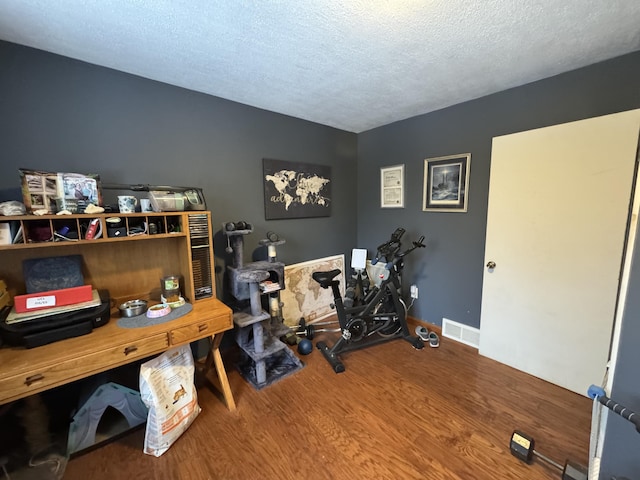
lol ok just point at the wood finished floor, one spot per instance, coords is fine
(396, 413)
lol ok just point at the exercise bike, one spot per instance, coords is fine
(383, 314)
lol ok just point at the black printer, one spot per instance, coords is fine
(51, 328)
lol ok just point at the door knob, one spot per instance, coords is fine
(491, 264)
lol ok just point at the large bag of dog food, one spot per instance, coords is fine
(167, 388)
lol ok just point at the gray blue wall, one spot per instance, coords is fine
(58, 114)
(449, 273)
(63, 115)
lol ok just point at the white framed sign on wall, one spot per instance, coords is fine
(392, 187)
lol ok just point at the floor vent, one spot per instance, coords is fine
(461, 333)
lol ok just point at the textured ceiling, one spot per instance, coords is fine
(353, 65)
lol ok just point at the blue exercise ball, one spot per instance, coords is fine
(305, 347)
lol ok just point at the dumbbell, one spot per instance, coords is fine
(290, 338)
(522, 447)
(305, 346)
(309, 331)
(293, 337)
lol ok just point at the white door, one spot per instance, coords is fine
(559, 199)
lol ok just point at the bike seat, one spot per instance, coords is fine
(325, 278)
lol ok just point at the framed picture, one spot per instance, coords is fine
(392, 187)
(55, 191)
(446, 183)
(295, 190)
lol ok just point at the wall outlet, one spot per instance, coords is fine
(414, 291)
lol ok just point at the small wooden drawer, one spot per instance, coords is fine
(134, 350)
(60, 373)
(198, 330)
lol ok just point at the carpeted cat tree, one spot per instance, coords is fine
(264, 359)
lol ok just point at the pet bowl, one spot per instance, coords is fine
(133, 308)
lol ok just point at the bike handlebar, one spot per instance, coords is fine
(392, 247)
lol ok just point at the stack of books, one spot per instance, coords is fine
(269, 286)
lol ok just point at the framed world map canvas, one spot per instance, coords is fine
(296, 190)
(303, 297)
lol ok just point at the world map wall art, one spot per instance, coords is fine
(296, 190)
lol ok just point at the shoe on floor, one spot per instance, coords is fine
(423, 333)
(434, 340)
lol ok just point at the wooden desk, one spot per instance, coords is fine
(24, 372)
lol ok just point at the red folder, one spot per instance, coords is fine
(52, 298)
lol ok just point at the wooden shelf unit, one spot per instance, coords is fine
(128, 267)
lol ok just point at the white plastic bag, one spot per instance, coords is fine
(168, 390)
(12, 207)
